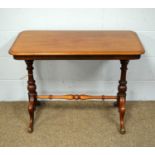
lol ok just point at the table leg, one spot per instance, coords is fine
(32, 94)
(121, 96)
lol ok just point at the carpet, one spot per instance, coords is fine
(77, 124)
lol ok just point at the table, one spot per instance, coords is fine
(77, 45)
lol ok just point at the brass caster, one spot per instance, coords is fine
(30, 130)
(122, 131)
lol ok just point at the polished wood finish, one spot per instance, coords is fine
(121, 96)
(75, 97)
(79, 57)
(58, 43)
(32, 94)
(77, 45)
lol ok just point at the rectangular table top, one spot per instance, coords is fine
(61, 43)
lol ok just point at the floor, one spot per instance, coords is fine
(79, 123)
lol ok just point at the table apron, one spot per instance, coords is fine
(78, 57)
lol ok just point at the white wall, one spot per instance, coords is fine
(91, 77)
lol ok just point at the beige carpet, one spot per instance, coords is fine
(77, 124)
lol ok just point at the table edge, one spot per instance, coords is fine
(79, 57)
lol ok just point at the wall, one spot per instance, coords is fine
(91, 77)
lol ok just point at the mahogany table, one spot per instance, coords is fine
(77, 45)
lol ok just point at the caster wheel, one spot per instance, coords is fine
(122, 131)
(30, 130)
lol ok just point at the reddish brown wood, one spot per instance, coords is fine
(61, 43)
(121, 96)
(32, 94)
(78, 57)
(77, 45)
(75, 97)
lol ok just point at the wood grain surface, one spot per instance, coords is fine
(61, 43)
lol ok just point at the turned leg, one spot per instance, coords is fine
(121, 96)
(32, 94)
